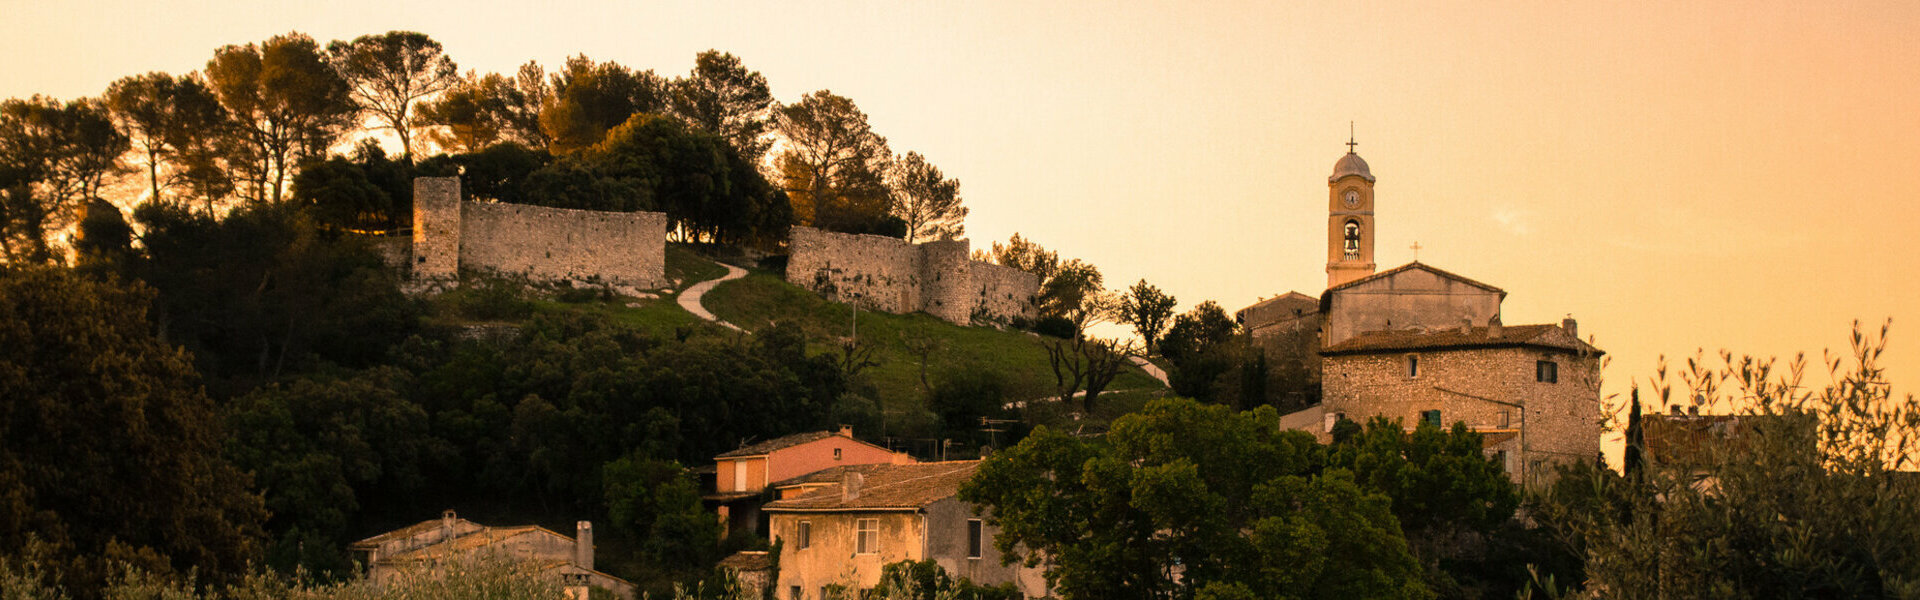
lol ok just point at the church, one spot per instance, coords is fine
(1421, 344)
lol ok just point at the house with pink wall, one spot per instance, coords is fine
(742, 476)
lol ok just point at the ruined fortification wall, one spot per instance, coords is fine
(891, 275)
(536, 242)
(1003, 292)
(883, 272)
(552, 244)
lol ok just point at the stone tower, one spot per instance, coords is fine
(436, 227)
(1349, 220)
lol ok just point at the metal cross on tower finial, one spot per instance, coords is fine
(1350, 142)
(1416, 251)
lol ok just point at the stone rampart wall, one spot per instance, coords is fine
(1003, 292)
(536, 242)
(891, 275)
(882, 272)
(558, 244)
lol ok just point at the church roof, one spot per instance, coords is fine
(1408, 267)
(1546, 336)
(1351, 164)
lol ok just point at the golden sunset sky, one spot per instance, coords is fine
(1738, 175)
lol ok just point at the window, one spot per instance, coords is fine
(976, 535)
(1500, 460)
(739, 475)
(803, 538)
(1431, 417)
(793, 592)
(836, 454)
(1546, 371)
(1413, 365)
(867, 536)
(1505, 420)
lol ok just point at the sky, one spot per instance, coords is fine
(1676, 176)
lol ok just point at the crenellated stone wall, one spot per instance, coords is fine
(891, 275)
(536, 242)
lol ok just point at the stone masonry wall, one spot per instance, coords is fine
(891, 275)
(1003, 292)
(1561, 420)
(542, 243)
(536, 242)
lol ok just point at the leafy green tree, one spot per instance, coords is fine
(1147, 309)
(926, 199)
(658, 503)
(261, 292)
(165, 117)
(109, 450)
(1202, 349)
(327, 450)
(53, 156)
(389, 72)
(1184, 499)
(1807, 493)
(723, 98)
(477, 112)
(590, 98)
(707, 191)
(1454, 504)
(834, 165)
(287, 103)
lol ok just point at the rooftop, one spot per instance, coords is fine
(1547, 336)
(778, 443)
(1351, 164)
(885, 487)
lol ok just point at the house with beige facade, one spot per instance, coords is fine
(742, 476)
(1418, 343)
(428, 545)
(839, 535)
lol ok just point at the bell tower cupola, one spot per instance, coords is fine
(1349, 219)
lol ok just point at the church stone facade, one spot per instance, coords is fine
(1418, 343)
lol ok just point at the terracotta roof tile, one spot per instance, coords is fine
(887, 487)
(771, 445)
(1537, 336)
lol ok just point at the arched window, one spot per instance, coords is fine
(1353, 240)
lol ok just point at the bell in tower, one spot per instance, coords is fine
(1349, 220)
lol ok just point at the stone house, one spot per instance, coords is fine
(841, 535)
(1529, 390)
(425, 545)
(741, 476)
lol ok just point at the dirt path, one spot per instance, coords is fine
(690, 299)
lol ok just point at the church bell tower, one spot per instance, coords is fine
(1349, 219)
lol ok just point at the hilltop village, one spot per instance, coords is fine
(343, 321)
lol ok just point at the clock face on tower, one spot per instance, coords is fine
(1353, 199)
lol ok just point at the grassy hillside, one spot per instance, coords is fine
(763, 298)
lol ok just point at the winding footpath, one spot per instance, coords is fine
(690, 299)
(1150, 369)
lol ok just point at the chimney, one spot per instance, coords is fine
(1466, 325)
(1494, 328)
(846, 431)
(447, 520)
(1693, 411)
(850, 484)
(1573, 329)
(1674, 410)
(583, 545)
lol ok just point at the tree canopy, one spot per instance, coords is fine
(388, 72)
(109, 450)
(1185, 499)
(287, 102)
